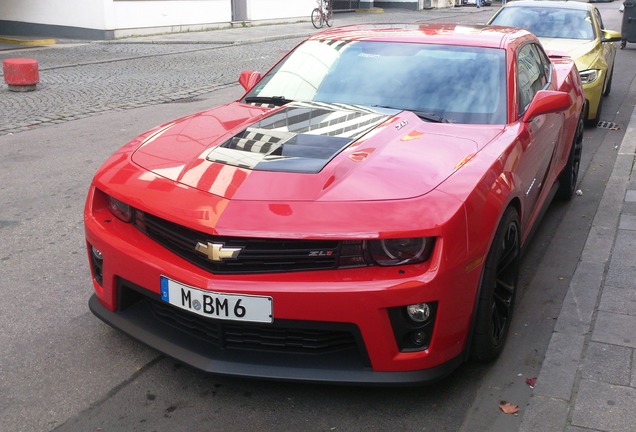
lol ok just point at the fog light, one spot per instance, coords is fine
(419, 337)
(419, 312)
(97, 253)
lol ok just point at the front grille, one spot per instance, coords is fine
(255, 256)
(290, 337)
(282, 337)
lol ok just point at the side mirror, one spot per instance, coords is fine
(610, 36)
(547, 101)
(249, 78)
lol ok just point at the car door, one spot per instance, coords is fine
(539, 137)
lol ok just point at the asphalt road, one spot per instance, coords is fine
(62, 369)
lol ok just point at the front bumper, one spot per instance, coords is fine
(594, 95)
(140, 323)
(358, 301)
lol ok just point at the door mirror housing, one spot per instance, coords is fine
(545, 102)
(249, 78)
(610, 36)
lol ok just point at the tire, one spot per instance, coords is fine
(570, 174)
(329, 17)
(594, 122)
(316, 18)
(497, 291)
(608, 88)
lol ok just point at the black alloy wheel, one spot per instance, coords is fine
(570, 174)
(608, 86)
(498, 289)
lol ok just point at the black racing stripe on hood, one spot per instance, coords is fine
(301, 137)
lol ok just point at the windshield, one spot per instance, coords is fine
(548, 22)
(437, 82)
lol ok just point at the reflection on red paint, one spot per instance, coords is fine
(361, 155)
(412, 135)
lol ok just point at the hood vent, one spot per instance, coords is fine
(301, 137)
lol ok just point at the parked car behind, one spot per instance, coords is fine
(575, 28)
(473, 2)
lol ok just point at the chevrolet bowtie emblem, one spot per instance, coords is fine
(216, 251)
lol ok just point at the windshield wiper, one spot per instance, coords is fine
(431, 117)
(274, 100)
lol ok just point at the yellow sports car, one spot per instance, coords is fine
(576, 29)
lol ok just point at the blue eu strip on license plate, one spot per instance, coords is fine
(233, 307)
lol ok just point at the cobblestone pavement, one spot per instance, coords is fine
(109, 77)
(78, 80)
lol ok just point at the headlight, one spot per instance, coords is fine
(121, 210)
(588, 76)
(391, 252)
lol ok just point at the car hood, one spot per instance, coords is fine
(583, 52)
(308, 152)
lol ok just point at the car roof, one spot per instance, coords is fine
(575, 5)
(430, 33)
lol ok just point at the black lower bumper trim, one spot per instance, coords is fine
(139, 323)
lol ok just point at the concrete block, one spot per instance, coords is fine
(579, 303)
(544, 414)
(605, 407)
(607, 363)
(598, 245)
(613, 328)
(21, 74)
(624, 247)
(618, 300)
(627, 222)
(621, 276)
(630, 196)
(560, 366)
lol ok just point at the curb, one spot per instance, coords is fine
(371, 10)
(26, 41)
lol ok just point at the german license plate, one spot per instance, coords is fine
(223, 306)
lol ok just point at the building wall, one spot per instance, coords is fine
(273, 9)
(108, 19)
(143, 13)
(78, 13)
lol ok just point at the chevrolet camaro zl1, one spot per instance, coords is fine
(356, 217)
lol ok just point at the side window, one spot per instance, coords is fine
(532, 74)
(546, 64)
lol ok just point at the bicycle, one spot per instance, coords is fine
(323, 14)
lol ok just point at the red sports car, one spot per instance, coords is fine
(356, 217)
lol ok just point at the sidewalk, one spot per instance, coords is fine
(588, 377)
(587, 380)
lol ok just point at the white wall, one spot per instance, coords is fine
(143, 17)
(73, 13)
(139, 14)
(274, 9)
